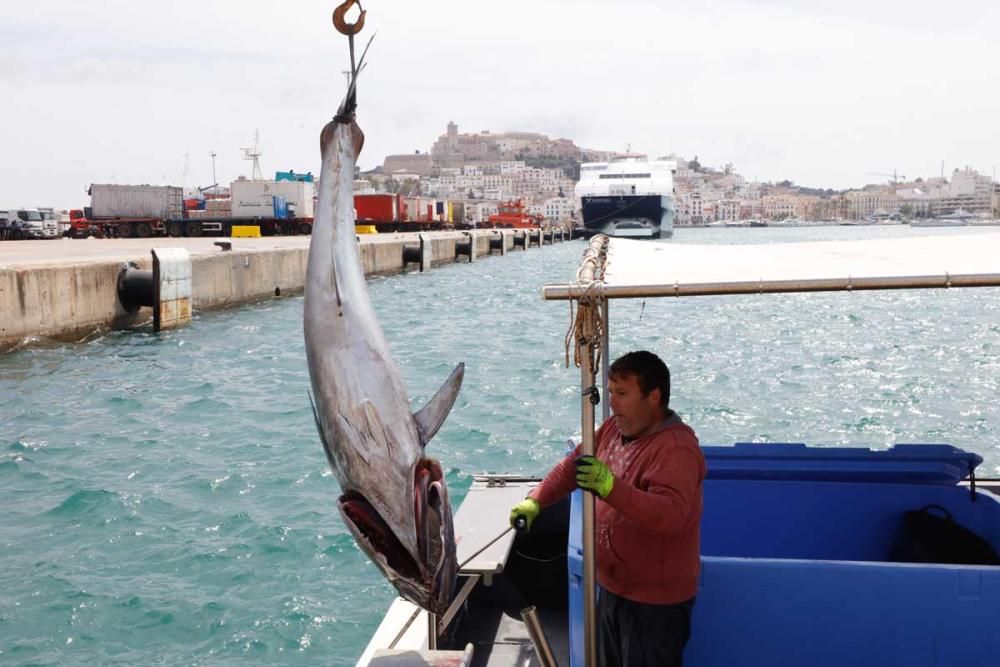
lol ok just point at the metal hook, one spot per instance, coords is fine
(343, 27)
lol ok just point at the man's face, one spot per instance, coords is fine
(637, 413)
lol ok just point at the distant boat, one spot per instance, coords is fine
(957, 218)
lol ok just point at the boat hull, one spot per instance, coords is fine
(633, 216)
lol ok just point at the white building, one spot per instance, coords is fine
(559, 209)
(512, 166)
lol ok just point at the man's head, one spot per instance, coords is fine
(639, 392)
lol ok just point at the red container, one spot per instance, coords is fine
(191, 204)
(376, 208)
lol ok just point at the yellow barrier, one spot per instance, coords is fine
(365, 229)
(246, 232)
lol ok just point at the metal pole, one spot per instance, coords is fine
(587, 379)
(534, 626)
(432, 632)
(605, 361)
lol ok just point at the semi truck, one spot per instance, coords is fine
(141, 211)
(27, 223)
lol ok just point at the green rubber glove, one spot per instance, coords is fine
(594, 476)
(527, 509)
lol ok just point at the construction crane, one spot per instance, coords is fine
(896, 177)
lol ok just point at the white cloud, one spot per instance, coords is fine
(818, 92)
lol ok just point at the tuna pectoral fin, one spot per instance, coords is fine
(319, 427)
(432, 415)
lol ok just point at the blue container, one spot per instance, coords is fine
(290, 175)
(796, 564)
(280, 205)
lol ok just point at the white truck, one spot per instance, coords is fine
(27, 223)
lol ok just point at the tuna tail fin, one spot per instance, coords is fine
(432, 415)
(350, 103)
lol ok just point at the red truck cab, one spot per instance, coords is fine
(80, 227)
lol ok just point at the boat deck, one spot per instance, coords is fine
(500, 639)
(496, 583)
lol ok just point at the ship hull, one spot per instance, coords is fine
(632, 216)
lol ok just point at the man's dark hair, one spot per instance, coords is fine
(648, 369)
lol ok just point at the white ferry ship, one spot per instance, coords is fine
(628, 196)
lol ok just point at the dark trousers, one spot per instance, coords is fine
(635, 634)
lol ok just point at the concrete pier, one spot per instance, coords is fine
(67, 289)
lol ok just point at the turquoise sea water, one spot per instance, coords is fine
(166, 500)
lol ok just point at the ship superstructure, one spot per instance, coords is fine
(628, 196)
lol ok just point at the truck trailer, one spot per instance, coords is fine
(141, 211)
(396, 213)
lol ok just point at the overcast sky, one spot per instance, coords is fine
(822, 92)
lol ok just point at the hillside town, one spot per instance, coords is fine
(486, 168)
(506, 179)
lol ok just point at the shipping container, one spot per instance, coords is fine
(136, 201)
(419, 209)
(458, 213)
(410, 208)
(377, 208)
(254, 199)
(218, 205)
(299, 195)
(290, 175)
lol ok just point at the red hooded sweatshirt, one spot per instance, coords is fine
(649, 525)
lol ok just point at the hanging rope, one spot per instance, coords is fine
(585, 332)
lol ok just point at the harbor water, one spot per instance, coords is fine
(166, 500)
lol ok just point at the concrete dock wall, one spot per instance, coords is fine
(236, 277)
(65, 302)
(43, 297)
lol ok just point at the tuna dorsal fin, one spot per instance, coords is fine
(432, 415)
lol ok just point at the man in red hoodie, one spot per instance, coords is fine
(647, 472)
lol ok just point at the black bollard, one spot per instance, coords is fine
(135, 287)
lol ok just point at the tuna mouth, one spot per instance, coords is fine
(367, 521)
(427, 577)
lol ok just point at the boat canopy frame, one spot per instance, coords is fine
(622, 269)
